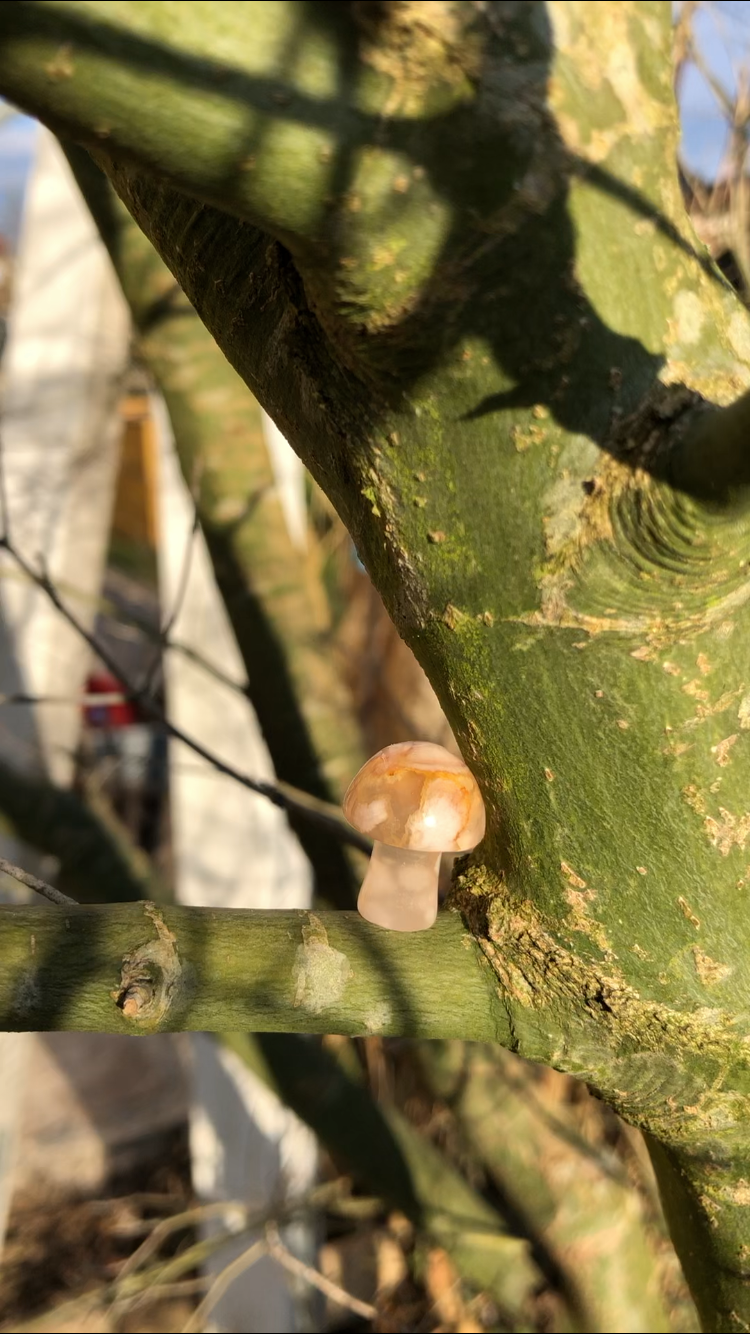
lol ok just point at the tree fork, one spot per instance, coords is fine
(457, 314)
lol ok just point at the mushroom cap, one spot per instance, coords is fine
(417, 795)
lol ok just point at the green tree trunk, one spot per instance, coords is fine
(445, 247)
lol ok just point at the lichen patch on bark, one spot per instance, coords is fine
(320, 973)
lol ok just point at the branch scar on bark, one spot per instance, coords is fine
(320, 972)
(151, 977)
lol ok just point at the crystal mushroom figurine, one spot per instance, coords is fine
(416, 800)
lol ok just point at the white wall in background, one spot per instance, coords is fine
(290, 481)
(231, 848)
(67, 350)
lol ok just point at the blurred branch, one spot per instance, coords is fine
(222, 1282)
(302, 804)
(586, 1214)
(279, 1252)
(134, 1284)
(273, 591)
(386, 1153)
(98, 862)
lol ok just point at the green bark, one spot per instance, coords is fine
(136, 967)
(477, 311)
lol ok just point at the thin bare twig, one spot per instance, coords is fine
(182, 587)
(278, 1251)
(223, 1281)
(39, 886)
(285, 796)
(175, 1223)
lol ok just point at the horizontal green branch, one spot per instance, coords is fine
(144, 77)
(264, 110)
(137, 967)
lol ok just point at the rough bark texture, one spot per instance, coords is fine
(444, 245)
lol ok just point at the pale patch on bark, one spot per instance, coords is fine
(709, 970)
(320, 972)
(729, 832)
(721, 750)
(689, 317)
(739, 334)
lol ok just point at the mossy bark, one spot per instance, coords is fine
(139, 967)
(445, 247)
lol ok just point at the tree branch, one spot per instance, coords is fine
(134, 967)
(273, 592)
(386, 1153)
(39, 886)
(304, 804)
(711, 460)
(288, 96)
(97, 71)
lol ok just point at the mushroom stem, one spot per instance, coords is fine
(400, 890)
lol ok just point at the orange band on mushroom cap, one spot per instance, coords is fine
(417, 795)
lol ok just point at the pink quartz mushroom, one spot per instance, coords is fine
(416, 800)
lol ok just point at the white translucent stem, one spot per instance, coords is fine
(400, 890)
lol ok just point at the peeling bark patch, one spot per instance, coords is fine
(580, 919)
(453, 616)
(571, 877)
(739, 334)
(378, 1018)
(61, 65)
(536, 971)
(710, 973)
(688, 913)
(151, 977)
(721, 750)
(728, 832)
(694, 798)
(320, 972)
(689, 317)
(738, 1194)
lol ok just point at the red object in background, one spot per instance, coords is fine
(109, 713)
